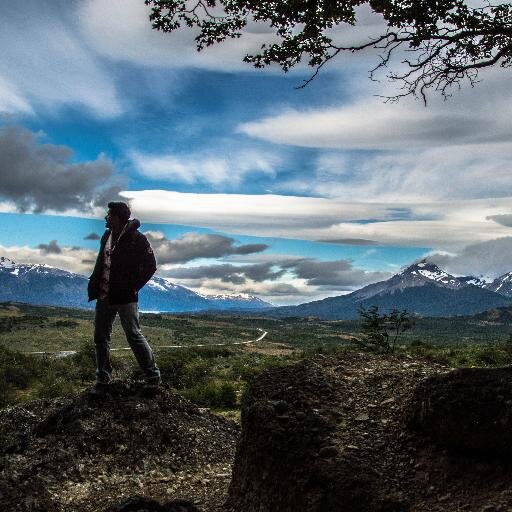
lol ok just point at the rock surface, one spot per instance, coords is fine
(332, 435)
(88, 453)
(468, 410)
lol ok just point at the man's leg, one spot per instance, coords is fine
(104, 318)
(129, 315)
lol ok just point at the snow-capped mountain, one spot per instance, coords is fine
(43, 284)
(502, 285)
(236, 301)
(417, 274)
(421, 288)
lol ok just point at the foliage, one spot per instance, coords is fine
(52, 387)
(446, 41)
(381, 330)
(213, 394)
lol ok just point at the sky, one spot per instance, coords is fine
(242, 181)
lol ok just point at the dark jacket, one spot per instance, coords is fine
(132, 263)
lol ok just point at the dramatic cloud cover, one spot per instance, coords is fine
(342, 187)
(192, 246)
(446, 224)
(36, 176)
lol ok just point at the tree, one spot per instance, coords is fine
(381, 331)
(446, 41)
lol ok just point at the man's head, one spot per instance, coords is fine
(117, 216)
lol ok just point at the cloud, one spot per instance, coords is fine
(334, 275)
(120, 29)
(192, 246)
(489, 259)
(226, 167)
(504, 220)
(446, 225)
(440, 173)
(228, 273)
(255, 212)
(349, 241)
(92, 236)
(314, 274)
(72, 259)
(39, 177)
(52, 248)
(53, 66)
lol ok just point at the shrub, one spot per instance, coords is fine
(85, 361)
(212, 394)
(54, 387)
(181, 370)
(381, 331)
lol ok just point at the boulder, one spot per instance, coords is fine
(287, 458)
(468, 410)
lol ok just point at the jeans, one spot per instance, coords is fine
(129, 316)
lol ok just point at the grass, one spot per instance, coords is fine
(211, 376)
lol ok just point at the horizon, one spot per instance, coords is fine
(242, 183)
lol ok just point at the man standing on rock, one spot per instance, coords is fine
(125, 263)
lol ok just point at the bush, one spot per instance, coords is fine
(248, 367)
(54, 387)
(212, 394)
(85, 361)
(181, 371)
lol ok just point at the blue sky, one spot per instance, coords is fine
(259, 187)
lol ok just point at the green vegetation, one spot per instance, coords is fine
(216, 374)
(382, 330)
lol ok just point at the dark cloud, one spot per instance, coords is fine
(191, 246)
(489, 259)
(88, 262)
(92, 236)
(504, 220)
(228, 273)
(51, 248)
(325, 275)
(349, 241)
(333, 275)
(39, 177)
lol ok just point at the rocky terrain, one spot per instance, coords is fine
(352, 433)
(91, 453)
(359, 433)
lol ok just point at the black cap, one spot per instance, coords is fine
(120, 209)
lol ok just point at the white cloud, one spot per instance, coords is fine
(489, 259)
(120, 29)
(256, 213)
(474, 116)
(217, 168)
(11, 101)
(44, 62)
(78, 260)
(436, 174)
(441, 224)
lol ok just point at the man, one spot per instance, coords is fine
(125, 263)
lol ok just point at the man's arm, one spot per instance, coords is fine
(147, 262)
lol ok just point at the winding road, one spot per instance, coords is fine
(66, 353)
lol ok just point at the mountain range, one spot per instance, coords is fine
(43, 284)
(422, 288)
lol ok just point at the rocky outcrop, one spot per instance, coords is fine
(468, 410)
(92, 452)
(334, 435)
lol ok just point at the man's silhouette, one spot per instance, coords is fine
(125, 263)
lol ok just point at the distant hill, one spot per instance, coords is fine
(46, 285)
(421, 288)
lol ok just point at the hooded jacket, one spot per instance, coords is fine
(132, 263)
